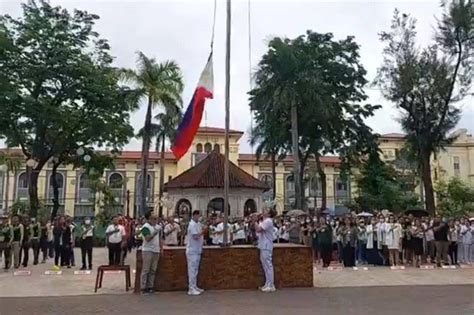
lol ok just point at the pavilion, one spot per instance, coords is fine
(202, 187)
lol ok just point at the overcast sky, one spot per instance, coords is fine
(181, 30)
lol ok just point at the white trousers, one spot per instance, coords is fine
(193, 269)
(465, 255)
(266, 258)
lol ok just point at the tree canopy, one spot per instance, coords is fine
(426, 83)
(59, 90)
(323, 78)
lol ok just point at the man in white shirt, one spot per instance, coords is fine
(115, 234)
(265, 234)
(238, 233)
(172, 229)
(218, 237)
(151, 249)
(193, 252)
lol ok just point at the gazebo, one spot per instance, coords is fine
(202, 187)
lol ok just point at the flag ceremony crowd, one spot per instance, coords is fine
(351, 240)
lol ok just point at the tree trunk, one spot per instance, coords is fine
(427, 183)
(162, 175)
(145, 155)
(322, 176)
(273, 157)
(302, 185)
(55, 185)
(33, 175)
(296, 158)
(7, 188)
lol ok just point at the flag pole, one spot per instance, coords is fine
(227, 110)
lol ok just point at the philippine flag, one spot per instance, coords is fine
(192, 117)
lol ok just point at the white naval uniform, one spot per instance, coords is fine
(265, 244)
(193, 252)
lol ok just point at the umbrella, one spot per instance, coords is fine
(417, 212)
(365, 214)
(295, 213)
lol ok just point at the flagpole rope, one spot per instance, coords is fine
(249, 21)
(213, 25)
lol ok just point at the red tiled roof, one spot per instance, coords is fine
(215, 130)
(394, 135)
(252, 157)
(209, 173)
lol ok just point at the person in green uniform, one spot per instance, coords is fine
(6, 237)
(35, 234)
(18, 231)
(26, 244)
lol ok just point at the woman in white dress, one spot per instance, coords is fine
(393, 240)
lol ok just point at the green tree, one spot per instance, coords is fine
(380, 187)
(313, 87)
(160, 84)
(426, 83)
(455, 198)
(12, 164)
(59, 90)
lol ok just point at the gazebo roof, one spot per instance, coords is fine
(209, 173)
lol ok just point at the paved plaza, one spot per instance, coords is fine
(346, 291)
(400, 300)
(38, 284)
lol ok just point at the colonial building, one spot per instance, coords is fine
(77, 200)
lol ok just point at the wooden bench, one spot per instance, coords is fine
(103, 268)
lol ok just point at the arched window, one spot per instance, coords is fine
(60, 183)
(199, 148)
(22, 187)
(208, 147)
(86, 195)
(250, 206)
(184, 208)
(217, 148)
(341, 188)
(216, 206)
(116, 185)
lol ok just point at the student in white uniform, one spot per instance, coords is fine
(151, 248)
(193, 252)
(265, 234)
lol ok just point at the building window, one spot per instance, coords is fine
(22, 187)
(60, 182)
(85, 193)
(116, 185)
(341, 191)
(267, 179)
(208, 147)
(217, 148)
(199, 148)
(149, 188)
(457, 166)
(315, 187)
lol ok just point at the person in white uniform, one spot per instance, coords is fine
(265, 234)
(193, 252)
(151, 249)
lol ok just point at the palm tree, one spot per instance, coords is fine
(168, 126)
(10, 164)
(161, 84)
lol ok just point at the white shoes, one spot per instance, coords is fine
(199, 290)
(194, 292)
(268, 289)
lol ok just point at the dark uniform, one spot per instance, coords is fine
(16, 245)
(35, 241)
(25, 252)
(6, 235)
